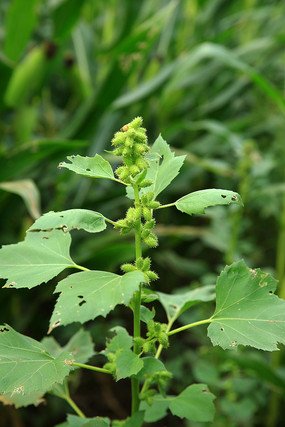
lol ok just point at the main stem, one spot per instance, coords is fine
(136, 305)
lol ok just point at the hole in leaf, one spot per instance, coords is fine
(222, 329)
(234, 197)
(160, 160)
(270, 292)
(88, 170)
(223, 196)
(61, 216)
(72, 156)
(57, 323)
(82, 302)
(4, 330)
(46, 238)
(204, 390)
(80, 296)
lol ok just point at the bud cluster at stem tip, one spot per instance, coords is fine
(131, 143)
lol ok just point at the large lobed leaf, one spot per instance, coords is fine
(94, 167)
(26, 366)
(198, 201)
(80, 348)
(90, 221)
(247, 311)
(39, 258)
(86, 295)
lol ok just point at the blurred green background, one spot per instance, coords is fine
(209, 76)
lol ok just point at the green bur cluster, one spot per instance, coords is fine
(131, 144)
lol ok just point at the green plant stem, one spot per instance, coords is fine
(74, 407)
(91, 368)
(80, 267)
(166, 206)
(136, 305)
(190, 325)
(114, 222)
(63, 393)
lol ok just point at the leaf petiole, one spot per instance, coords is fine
(91, 368)
(190, 325)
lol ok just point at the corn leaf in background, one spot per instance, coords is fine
(29, 192)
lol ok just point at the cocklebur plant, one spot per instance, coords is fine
(247, 311)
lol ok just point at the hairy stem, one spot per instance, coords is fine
(136, 305)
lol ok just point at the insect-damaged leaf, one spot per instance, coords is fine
(86, 295)
(247, 311)
(39, 258)
(194, 403)
(90, 221)
(22, 400)
(198, 201)
(26, 366)
(94, 167)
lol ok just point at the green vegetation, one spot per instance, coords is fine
(208, 75)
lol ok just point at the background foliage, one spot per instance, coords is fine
(208, 75)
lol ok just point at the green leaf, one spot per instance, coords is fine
(19, 27)
(150, 366)
(22, 400)
(65, 16)
(135, 420)
(39, 258)
(198, 201)
(176, 304)
(146, 314)
(90, 221)
(164, 167)
(194, 403)
(156, 411)
(122, 340)
(247, 311)
(26, 366)
(80, 346)
(86, 295)
(94, 167)
(127, 364)
(29, 192)
(75, 421)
